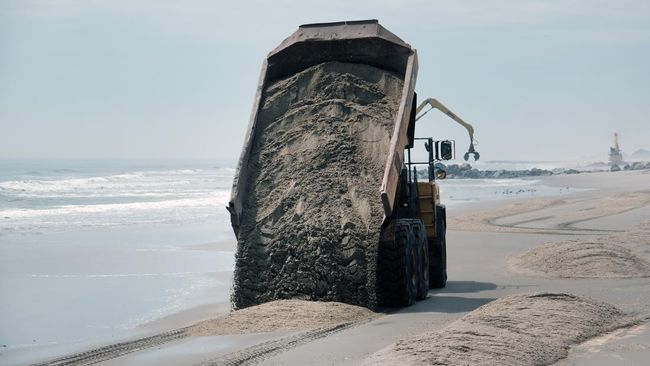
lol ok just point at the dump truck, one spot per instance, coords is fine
(326, 202)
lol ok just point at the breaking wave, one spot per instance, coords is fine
(67, 199)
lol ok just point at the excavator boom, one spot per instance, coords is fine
(434, 103)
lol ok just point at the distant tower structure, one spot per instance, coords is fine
(615, 153)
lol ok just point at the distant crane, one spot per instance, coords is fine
(615, 153)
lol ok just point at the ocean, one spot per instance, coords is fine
(46, 196)
(90, 250)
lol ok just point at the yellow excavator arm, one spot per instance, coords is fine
(434, 103)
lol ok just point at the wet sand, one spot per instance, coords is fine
(479, 273)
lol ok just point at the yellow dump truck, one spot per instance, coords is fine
(384, 242)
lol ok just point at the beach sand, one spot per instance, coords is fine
(479, 273)
(520, 216)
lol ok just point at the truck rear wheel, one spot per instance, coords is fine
(398, 267)
(422, 245)
(438, 252)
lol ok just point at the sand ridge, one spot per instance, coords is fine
(283, 315)
(611, 256)
(522, 329)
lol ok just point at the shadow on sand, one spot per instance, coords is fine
(447, 304)
(438, 302)
(442, 304)
(454, 287)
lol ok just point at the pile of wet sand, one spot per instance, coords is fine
(311, 210)
(525, 329)
(283, 315)
(582, 259)
(602, 257)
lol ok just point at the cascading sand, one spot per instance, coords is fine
(312, 213)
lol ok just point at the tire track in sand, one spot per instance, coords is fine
(487, 220)
(116, 350)
(262, 351)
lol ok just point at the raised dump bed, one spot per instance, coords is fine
(319, 172)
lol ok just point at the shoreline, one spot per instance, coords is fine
(194, 314)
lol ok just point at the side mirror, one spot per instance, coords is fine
(445, 150)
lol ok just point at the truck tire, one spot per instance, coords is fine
(438, 252)
(422, 245)
(398, 275)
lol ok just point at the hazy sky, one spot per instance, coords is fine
(540, 80)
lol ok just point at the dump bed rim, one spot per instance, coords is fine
(337, 31)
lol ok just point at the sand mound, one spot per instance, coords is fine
(526, 329)
(617, 255)
(283, 315)
(311, 211)
(582, 259)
